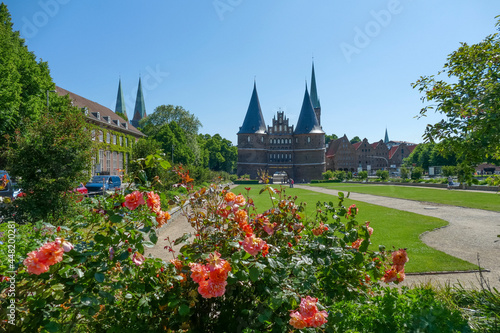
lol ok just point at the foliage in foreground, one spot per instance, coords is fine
(244, 270)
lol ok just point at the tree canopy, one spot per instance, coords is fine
(354, 140)
(165, 114)
(329, 138)
(429, 154)
(469, 100)
(24, 81)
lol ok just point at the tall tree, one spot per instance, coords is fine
(186, 128)
(24, 82)
(222, 155)
(51, 157)
(469, 102)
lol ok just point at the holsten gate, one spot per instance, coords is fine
(297, 152)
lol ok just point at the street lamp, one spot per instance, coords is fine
(385, 159)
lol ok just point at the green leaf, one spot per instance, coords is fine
(124, 255)
(182, 239)
(254, 273)
(52, 327)
(99, 277)
(147, 243)
(115, 219)
(153, 237)
(183, 309)
(165, 165)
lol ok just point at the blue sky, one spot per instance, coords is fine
(205, 55)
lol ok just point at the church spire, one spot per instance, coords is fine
(386, 139)
(314, 96)
(307, 123)
(254, 120)
(120, 102)
(140, 107)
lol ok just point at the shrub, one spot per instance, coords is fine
(340, 175)
(408, 310)
(327, 175)
(383, 175)
(363, 175)
(405, 173)
(417, 173)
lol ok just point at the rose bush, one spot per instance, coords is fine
(246, 270)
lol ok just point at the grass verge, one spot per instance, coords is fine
(392, 228)
(479, 200)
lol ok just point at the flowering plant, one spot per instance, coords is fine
(243, 269)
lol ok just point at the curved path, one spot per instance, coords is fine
(470, 233)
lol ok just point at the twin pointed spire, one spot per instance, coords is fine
(140, 107)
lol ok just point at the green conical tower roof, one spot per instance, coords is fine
(140, 107)
(386, 139)
(314, 93)
(120, 102)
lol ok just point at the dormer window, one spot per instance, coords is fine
(97, 115)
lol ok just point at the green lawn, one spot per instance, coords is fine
(479, 200)
(392, 228)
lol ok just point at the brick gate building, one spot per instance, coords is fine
(298, 152)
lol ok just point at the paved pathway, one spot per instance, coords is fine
(471, 232)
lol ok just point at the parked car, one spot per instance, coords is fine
(104, 183)
(82, 189)
(79, 188)
(6, 188)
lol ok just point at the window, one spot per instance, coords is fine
(120, 140)
(114, 139)
(126, 142)
(108, 137)
(308, 139)
(248, 138)
(101, 161)
(93, 135)
(115, 162)
(108, 161)
(120, 161)
(101, 138)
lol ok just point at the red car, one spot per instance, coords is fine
(81, 189)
